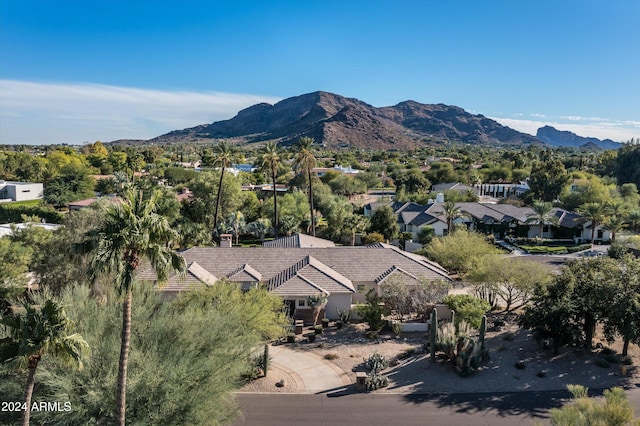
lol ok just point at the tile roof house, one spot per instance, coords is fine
(344, 274)
(498, 219)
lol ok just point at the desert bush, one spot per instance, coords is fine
(376, 362)
(376, 381)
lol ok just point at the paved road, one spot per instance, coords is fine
(499, 409)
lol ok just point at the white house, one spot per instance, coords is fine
(20, 191)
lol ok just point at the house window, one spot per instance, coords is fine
(545, 228)
(600, 234)
(26, 190)
(362, 288)
(302, 303)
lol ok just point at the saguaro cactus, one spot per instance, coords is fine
(483, 328)
(434, 334)
(265, 359)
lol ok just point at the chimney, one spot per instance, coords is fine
(226, 240)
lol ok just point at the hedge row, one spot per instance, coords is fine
(13, 213)
(545, 249)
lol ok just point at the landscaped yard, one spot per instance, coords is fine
(412, 371)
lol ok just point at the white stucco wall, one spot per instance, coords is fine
(337, 302)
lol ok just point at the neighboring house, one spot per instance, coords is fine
(267, 187)
(452, 186)
(500, 220)
(502, 189)
(321, 171)
(298, 241)
(81, 204)
(7, 229)
(344, 274)
(20, 191)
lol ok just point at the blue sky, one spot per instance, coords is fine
(76, 71)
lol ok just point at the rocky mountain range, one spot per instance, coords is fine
(336, 121)
(554, 137)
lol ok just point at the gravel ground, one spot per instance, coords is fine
(418, 374)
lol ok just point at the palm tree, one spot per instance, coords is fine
(614, 224)
(305, 162)
(594, 212)
(451, 211)
(633, 220)
(541, 214)
(130, 232)
(235, 224)
(36, 331)
(223, 158)
(259, 228)
(271, 161)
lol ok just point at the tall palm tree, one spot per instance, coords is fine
(305, 162)
(614, 224)
(594, 212)
(223, 154)
(36, 331)
(541, 214)
(451, 211)
(131, 231)
(271, 161)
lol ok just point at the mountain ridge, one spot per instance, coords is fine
(336, 121)
(554, 137)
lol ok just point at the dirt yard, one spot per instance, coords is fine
(412, 371)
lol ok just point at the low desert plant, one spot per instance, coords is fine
(407, 353)
(331, 356)
(520, 365)
(291, 337)
(376, 362)
(603, 363)
(626, 360)
(611, 359)
(339, 324)
(396, 326)
(376, 381)
(509, 337)
(318, 329)
(311, 337)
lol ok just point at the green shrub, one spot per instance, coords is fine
(318, 329)
(10, 213)
(291, 337)
(468, 308)
(611, 359)
(581, 247)
(311, 337)
(545, 249)
(339, 324)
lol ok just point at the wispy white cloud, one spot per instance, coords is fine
(73, 113)
(595, 127)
